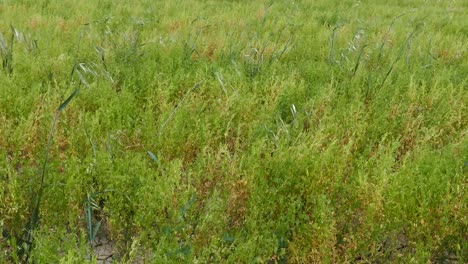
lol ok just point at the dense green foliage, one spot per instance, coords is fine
(319, 131)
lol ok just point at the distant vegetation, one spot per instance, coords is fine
(233, 131)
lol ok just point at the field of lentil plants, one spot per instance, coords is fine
(233, 131)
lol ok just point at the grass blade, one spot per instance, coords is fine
(34, 221)
(153, 157)
(177, 107)
(66, 102)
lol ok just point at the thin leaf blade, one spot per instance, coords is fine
(153, 157)
(66, 102)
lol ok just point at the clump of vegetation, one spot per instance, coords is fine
(239, 132)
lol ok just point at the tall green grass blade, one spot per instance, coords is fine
(95, 230)
(397, 58)
(34, 221)
(358, 61)
(66, 102)
(91, 204)
(385, 37)
(89, 217)
(332, 44)
(177, 108)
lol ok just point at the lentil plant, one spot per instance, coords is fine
(233, 131)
